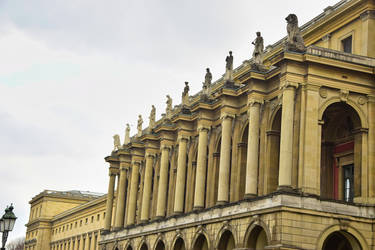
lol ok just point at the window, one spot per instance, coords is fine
(92, 219)
(104, 215)
(346, 44)
(71, 226)
(98, 217)
(80, 223)
(348, 173)
(75, 224)
(87, 220)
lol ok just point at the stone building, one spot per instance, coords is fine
(276, 155)
(65, 220)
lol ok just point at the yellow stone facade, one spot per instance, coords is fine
(282, 158)
(65, 220)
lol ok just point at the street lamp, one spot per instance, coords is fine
(7, 224)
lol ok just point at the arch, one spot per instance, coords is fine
(226, 240)
(178, 243)
(160, 245)
(201, 240)
(257, 233)
(349, 102)
(242, 161)
(271, 170)
(224, 229)
(143, 245)
(341, 145)
(271, 120)
(129, 245)
(355, 238)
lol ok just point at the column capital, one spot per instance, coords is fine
(254, 101)
(165, 147)
(150, 155)
(182, 138)
(289, 85)
(136, 162)
(203, 128)
(111, 173)
(368, 14)
(227, 116)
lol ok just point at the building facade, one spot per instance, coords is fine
(65, 220)
(273, 156)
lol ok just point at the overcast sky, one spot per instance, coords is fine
(74, 72)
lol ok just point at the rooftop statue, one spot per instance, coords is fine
(127, 134)
(228, 77)
(258, 49)
(207, 83)
(168, 110)
(185, 95)
(139, 125)
(151, 124)
(116, 142)
(294, 40)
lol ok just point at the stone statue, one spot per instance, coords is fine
(168, 111)
(116, 142)
(127, 134)
(207, 83)
(185, 95)
(139, 125)
(294, 40)
(229, 68)
(151, 124)
(258, 49)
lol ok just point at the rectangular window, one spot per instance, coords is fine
(347, 44)
(92, 219)
(98, 217)
(348, 173)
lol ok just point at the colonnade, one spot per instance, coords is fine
(128, 202)
(87, 241)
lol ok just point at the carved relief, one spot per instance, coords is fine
(362, 100)
(323, 92)
(344, 94)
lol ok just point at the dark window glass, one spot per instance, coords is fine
(347, 44)
(348, 172)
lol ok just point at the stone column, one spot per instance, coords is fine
(87, 242)
(200, 179)
(251, 186)
(181, 176)
(109, 204)
(224, 167)
(120, 208)
(286, 137)
(147, 188)
(133, 192)
(371, 146)
(163, 179)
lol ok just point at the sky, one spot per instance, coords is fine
(74, 72)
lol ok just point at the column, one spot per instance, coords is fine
(120, 208)
(163, 179)
(224, 167)
(181, 176)
(371, 146)
(251, 186)
(133, 192)
(286, 137)
(109, 205)
(200, 180)
(147, 188)
(87, 242)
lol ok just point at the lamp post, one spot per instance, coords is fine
(7, 223)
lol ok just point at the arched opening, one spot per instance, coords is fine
(179, 244)
(191, 174)
(144, 247)
(226, 241)
(271, 177)
(201, 243)
(257, 238)
(216, 156)
(341, 240)
(341, 153)
(129, 247)
(242, 152)
(160, 245)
